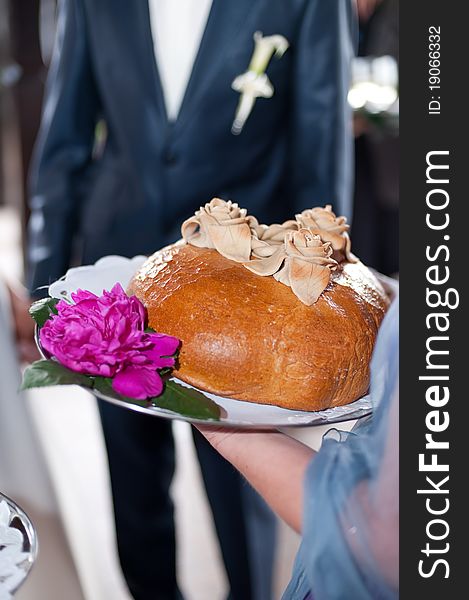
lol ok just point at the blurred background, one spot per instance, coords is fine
(59, 473)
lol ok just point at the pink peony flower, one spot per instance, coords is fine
(105, 336)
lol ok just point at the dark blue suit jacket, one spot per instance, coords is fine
(294, 152)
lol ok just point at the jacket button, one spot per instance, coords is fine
(170, 157)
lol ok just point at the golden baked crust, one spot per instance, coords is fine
(250, 338)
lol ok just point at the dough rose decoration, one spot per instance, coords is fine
(275, 234)
(223, 226)
(323, 222)
(299, 253)
(101, 342)
(303, 263)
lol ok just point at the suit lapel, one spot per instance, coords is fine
(226, 19)
(151, 68)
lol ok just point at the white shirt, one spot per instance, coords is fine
(177, 28)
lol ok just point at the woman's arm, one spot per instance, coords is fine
(273, 463)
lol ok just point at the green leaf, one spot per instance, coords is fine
(103, 385)
(179, 399)
(165, 371)
(42, 310)
(187, 402)
(43, 373)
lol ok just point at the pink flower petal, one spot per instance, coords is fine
(137, 382)
(81, 295)
(118, 290)
(163, 345)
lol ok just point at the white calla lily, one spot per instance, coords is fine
(254, 83)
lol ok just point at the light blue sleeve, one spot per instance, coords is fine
(351, 508)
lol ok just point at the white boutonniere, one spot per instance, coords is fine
(254, 83)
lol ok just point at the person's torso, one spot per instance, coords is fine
(154, 173)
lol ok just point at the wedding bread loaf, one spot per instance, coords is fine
(281, 315)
